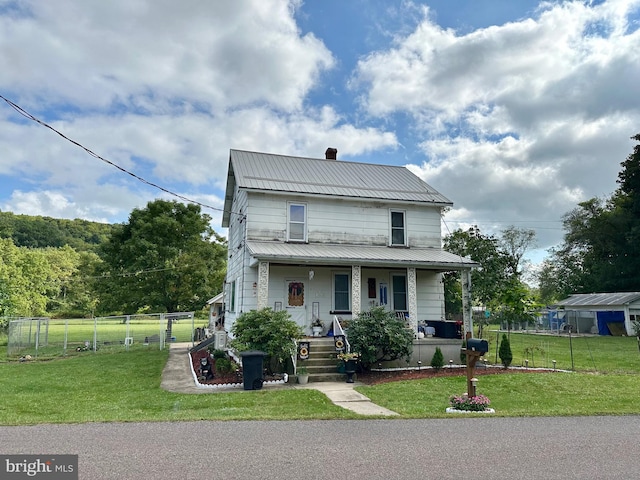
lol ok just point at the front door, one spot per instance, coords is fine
(296, 305)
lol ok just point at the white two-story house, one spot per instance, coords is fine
(321, 237)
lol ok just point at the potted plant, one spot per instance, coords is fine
(303, 375)
(317, 327)
(350, 359)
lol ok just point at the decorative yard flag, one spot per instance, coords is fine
(340, 343)
(303, 350)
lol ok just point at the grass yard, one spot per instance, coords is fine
(125, 386)
(603, 354)
(110, 334)
(514, 395)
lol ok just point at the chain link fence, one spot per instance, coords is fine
(47, 337)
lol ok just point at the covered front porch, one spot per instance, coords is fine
(316, 283)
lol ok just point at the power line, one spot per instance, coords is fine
(28, 115)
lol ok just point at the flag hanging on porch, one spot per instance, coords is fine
(303, 350)
(340, 343)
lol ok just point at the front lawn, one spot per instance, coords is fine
(125, 386)
(514, 395)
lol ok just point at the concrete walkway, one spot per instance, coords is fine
(177, 377)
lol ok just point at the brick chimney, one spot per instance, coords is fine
(331, 153)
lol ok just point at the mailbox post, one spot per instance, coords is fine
(475, 349)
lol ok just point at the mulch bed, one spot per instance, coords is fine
(219, 378)
(371, 377)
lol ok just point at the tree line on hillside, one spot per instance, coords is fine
(165, 258)
(42, 232)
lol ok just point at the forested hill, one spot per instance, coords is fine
(40, 232)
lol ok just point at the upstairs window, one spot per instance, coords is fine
(398, 228)
(297, 222)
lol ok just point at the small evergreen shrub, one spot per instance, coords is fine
(223, 365)
(437, 361)
(505, 351)
(219, 353)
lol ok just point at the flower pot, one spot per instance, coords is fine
(303, 379)
(316, 331)
(350, 369)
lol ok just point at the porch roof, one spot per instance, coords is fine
(365, 255)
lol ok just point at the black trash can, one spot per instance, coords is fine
(252, 367)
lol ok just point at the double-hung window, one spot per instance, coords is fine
(399, 285)
(398, 228)
(297, 222)
(341, 292)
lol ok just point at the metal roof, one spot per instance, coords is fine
(599, 299)
(433, 258)
(217, 299)
(319, 176)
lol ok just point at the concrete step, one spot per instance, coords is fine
(322, 362)
(331, 368)
(329, 377)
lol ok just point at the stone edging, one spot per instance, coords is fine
(455, 410)
(215, 386)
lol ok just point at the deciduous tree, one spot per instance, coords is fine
(166, 257)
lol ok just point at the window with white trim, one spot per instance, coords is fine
(341, 292)
(399, 286)
(398, 228)
(232, 297)
(297, 222)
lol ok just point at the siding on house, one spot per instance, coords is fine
(342, 221)
(347, 231)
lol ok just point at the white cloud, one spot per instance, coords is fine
(155, 53)
(161, 89)
(520, 121)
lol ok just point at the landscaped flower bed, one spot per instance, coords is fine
(466, 404)
(231, 379)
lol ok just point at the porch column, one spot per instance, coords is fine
(356, 288)
(412, 298)
(263, 285)
(467, 319)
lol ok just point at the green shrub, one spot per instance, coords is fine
(504, 351)
(223, 365)
(378, 335)
(437, 361)
(273, 333)
(217, 353)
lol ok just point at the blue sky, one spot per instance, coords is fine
(515, 110)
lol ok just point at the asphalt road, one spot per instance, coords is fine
(452, 448)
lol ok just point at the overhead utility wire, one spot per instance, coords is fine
(26, 114)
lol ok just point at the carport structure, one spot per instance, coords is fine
(610, 313)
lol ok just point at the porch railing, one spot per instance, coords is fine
(337, 330)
